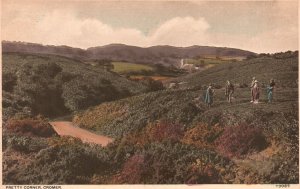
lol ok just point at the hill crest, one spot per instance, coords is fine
(161, 54)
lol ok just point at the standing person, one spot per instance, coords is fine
(270, 89)
(209, 95)
(255, 91)
(229, 90)
(252, 85)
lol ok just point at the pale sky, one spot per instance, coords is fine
(259, 26)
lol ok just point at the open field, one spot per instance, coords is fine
(123, 67)
(207, 61)
(157, 78)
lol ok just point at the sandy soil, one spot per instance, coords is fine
(65, 128)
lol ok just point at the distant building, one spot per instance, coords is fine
(188, 67)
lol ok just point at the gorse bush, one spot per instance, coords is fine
(23, 144)
(9, 81)
(241, 140)
(30, 127)
(61, 164)
(170, 163)
(159, 131)
(202, 135)
(152, 84)
(133, 170)
(202, 174)
(164, 130)
(64, 141)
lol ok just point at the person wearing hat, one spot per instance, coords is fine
(229, 90)
(255, 92)
(209, 96)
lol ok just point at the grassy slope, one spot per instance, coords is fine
(284, 71)
(207, 61)
(179, 105)
(131, 114)
(12, 61)
(90, 77)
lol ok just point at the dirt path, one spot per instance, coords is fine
(65, 128)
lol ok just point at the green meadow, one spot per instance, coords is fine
(123, 67)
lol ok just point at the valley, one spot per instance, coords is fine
(126, 125)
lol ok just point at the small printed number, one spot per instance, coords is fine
(282, 185)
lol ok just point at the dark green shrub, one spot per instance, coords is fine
(65, 164)
(9, 80)
(152, 84)
(23, 144)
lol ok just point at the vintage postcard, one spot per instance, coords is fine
(158, 93)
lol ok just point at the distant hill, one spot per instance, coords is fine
(167, 55)
(53, 85)
(23, 47)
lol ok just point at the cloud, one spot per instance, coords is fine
(65, 28)
(60, 27)
(181, 32)
(275, 40)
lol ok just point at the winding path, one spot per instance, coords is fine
(66, 128)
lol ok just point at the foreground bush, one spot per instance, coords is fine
(23, 144)
(133, 170)
(241, 140)
(202, 135)
(164, 130)
(65, 162)
(152, 84)
(172, 163)
(30, 127)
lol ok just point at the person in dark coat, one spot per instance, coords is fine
(270, 89)
(229, 90)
